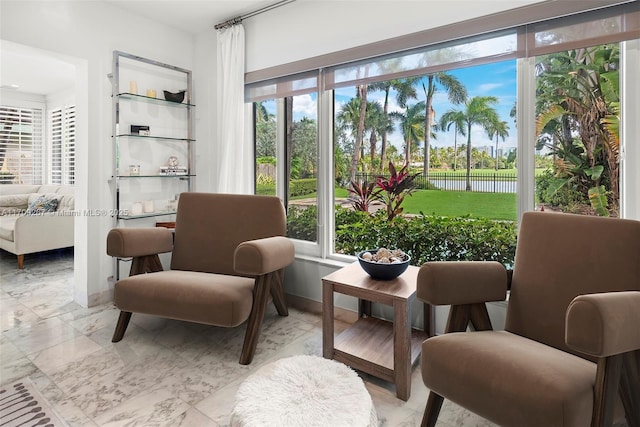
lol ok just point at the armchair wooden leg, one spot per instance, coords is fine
(121, 327)
(277, 293)
(260, 298)
(630, 387)
(145, 264)
(432, 410)
(479, 317)
(606, 389)
(459, 316)
(21, 261)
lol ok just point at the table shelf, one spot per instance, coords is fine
(370, 341)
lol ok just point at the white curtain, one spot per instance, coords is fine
(234, 151)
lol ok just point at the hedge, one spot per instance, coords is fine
(424, 238)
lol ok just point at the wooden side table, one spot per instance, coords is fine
(381, 348)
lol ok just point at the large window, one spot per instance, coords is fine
(21, 145)
(62, 143)
(480, 129)
(286, 141)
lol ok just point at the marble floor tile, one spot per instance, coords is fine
(163, 372)
(44, 333)
(13, 313)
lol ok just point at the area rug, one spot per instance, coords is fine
(303, 391)
(22, 405)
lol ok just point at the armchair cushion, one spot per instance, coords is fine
(263, 256)
(461, 282)
(604, 324)
(527, 380)
(133, 242)
(188, 295)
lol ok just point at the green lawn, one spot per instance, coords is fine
(454, 203)
(459, 203)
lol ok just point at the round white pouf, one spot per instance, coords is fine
(303, 391)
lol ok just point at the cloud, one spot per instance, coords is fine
(488, 87)
(305, 105)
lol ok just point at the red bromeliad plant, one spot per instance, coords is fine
(399, 184)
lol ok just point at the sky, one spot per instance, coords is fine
(495, 79)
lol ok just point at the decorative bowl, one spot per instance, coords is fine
(383, 271)
(174, 97)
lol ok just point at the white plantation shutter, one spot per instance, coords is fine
(21, 145)
(62, 140)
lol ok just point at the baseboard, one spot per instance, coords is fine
(315, 307)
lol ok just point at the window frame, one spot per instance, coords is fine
(526, 89)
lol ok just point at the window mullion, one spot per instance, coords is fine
(281, 151)
(526, 133)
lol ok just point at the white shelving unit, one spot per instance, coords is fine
(152, 136)
(153, 141)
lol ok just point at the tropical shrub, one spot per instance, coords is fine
(427, 238)
(302, 222)
(424, 238)
(395, 188)
(561, 197)
(362, 194)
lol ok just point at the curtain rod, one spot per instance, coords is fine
(237, 20)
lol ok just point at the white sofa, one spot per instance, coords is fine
(23, 231)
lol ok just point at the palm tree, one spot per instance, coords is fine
(378, 124)
(405, 90)
(348, 121)
(478, 111)
(262, 115)
(412, 127)
(457, 94)
(499, 129)
(362, 96)
(456, 119)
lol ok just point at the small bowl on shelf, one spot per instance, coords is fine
(174, 97)
(383, 270)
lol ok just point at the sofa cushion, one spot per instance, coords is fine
(67, 203)
(43, 204)
(14, 200)
(48, 188)
(7, 227)
(13, 204)
(7, 189)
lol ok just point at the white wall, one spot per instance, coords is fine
(88, 32)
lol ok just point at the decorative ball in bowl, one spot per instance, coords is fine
(384, 264)
(174, 97)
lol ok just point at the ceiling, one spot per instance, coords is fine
(38, 72)
(33, 71)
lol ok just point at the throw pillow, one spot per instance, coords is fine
(42, 205)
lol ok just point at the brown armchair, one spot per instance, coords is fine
(228, 256)
(569, 354)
